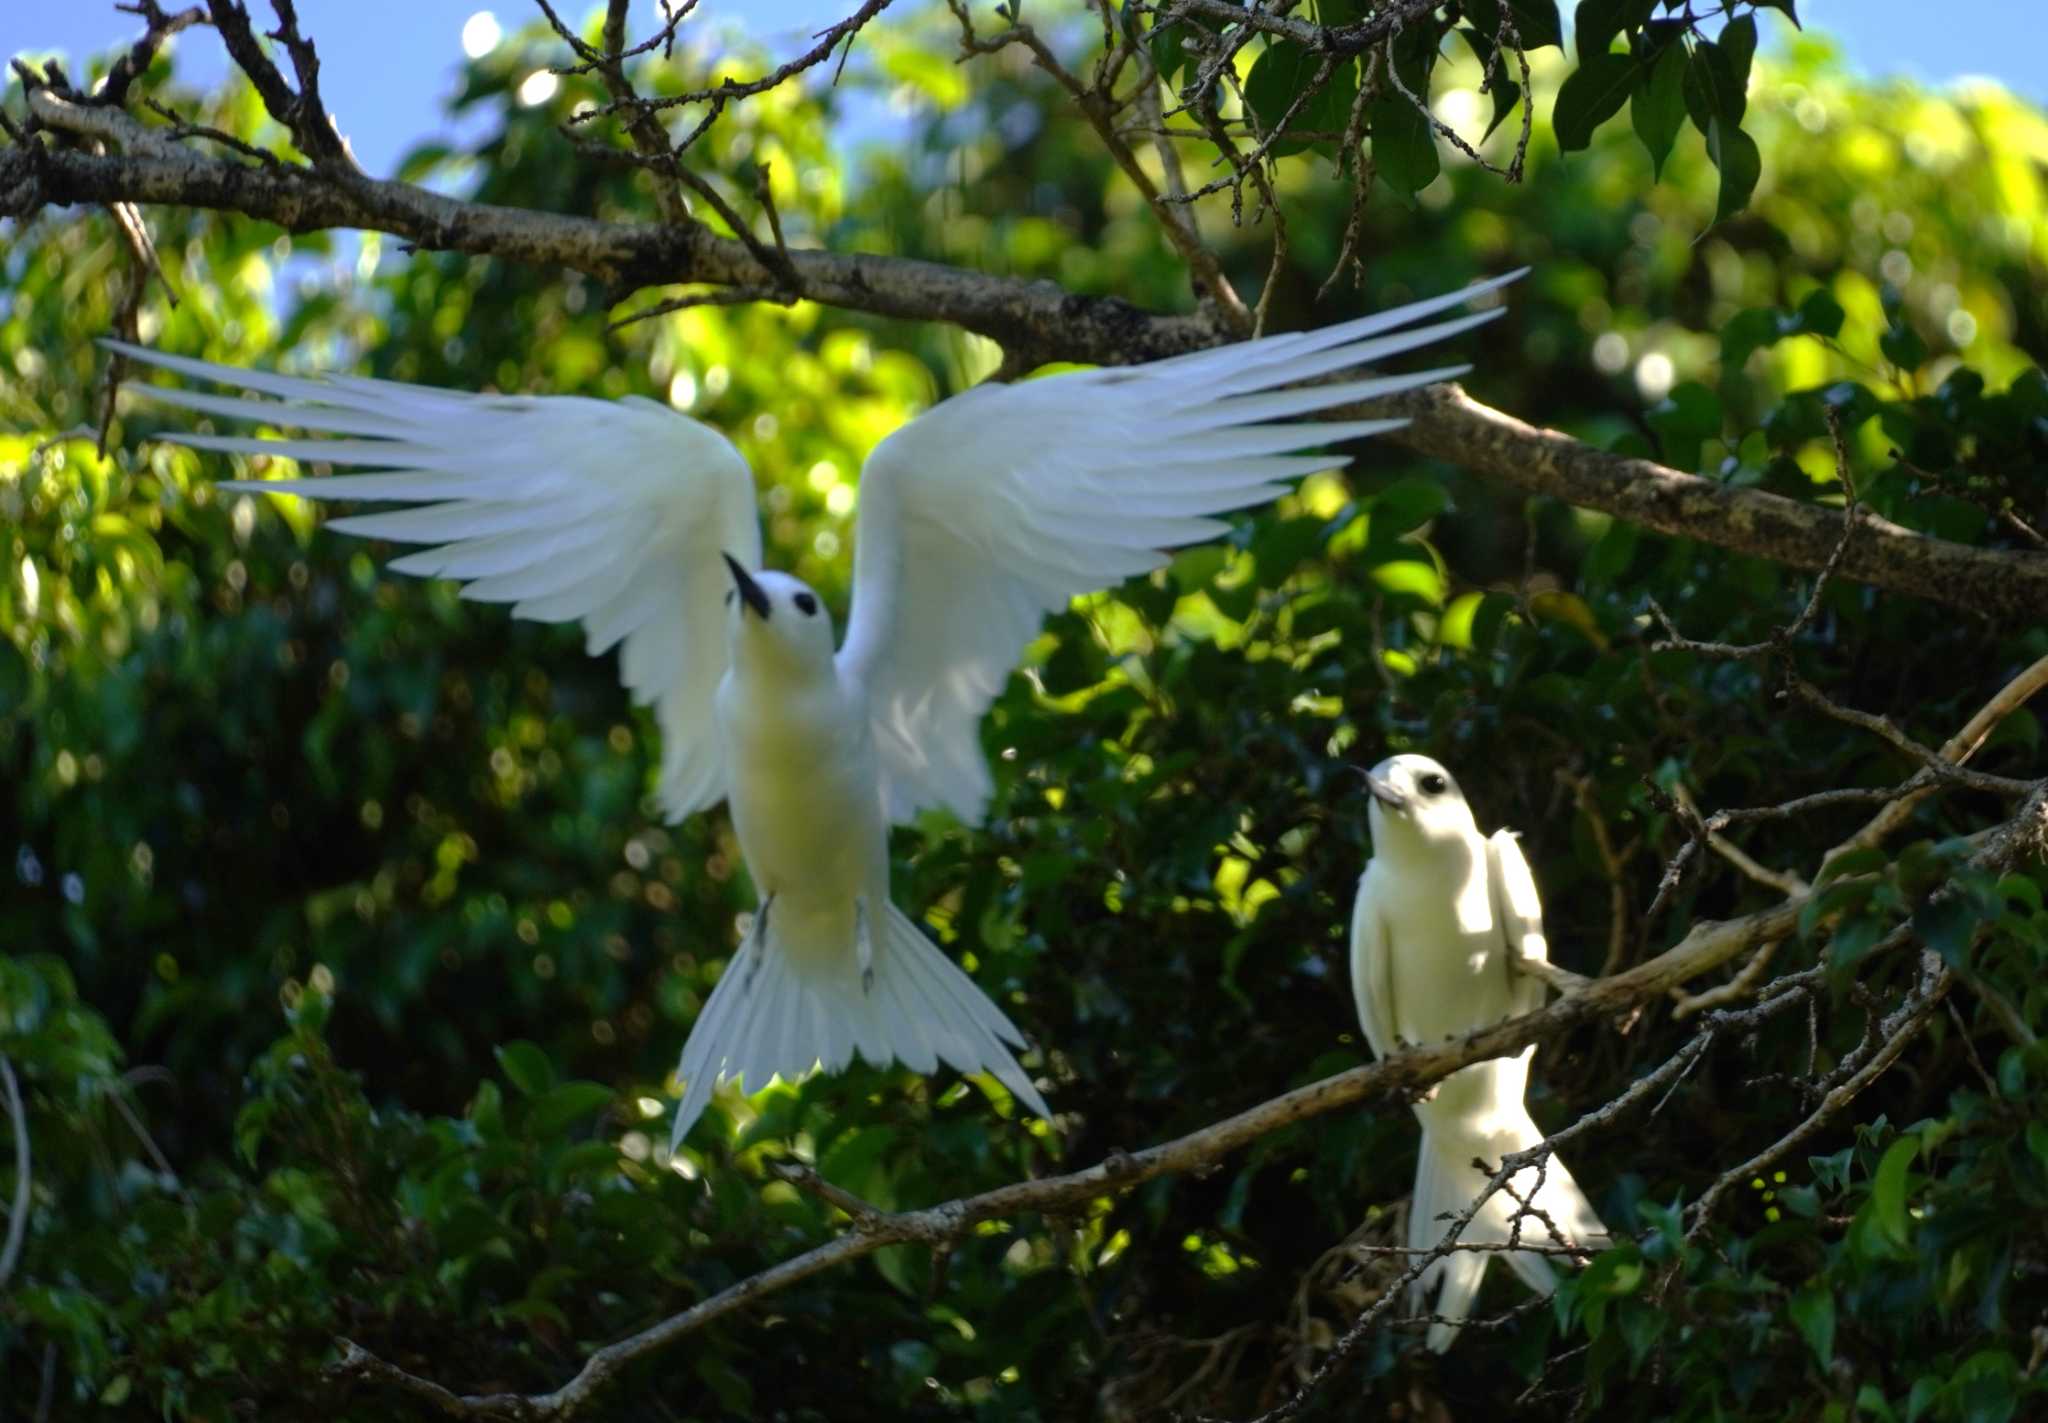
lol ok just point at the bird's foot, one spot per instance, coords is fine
(760, 938)
(1562, 979)
(863, 945)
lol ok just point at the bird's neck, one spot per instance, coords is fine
(770, 671)
(1437, 855)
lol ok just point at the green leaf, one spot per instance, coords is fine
(1785, 5)
(1738, 43)
(1813, 1311)
(1593, 94)
(1735, 154)
(1854, 938)
(1888, 1190)
(1903, 347)
(1657, 104)
(1281, 73)
(1406, 504)
(1536, 21)
(526, 1067)
(1820, 314)
(487, 1110)
(1403, 145)
(1683, 420)
(1505, 91)
(2037, 1141)
(1597, 22)
(1614, 1273)
(1169, 48)
(1710, 88)
(1946, 925)
(562, 1105)
(1747, 332)
(1611, 553)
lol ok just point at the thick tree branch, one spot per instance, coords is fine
(2008, 585)
(1035, 320)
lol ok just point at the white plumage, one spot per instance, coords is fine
(1440, 914)
(977, 518)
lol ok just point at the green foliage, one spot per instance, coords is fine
(347, 959)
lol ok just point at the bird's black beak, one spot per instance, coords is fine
(1385, 792)
(750, 591)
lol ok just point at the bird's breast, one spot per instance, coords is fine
(1448, 973)
(804, 789)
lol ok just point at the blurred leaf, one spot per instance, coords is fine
(526, 1067)
(1593, 93)
(1813, 1311)
(1888, 1187)
(556, 1107)
(1657, 104)
(1735, 154)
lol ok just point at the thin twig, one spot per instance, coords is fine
(1899, 1028)
(17, 1221)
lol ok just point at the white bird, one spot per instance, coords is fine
(976, 519)
(1441, 914)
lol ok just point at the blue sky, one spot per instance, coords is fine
(387, 64)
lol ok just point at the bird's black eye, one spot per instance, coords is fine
(1433, 784)
(806, 604)
(729, 595)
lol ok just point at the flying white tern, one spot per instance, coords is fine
(1441, 913)
(976, 519)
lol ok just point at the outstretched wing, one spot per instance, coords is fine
(1007, 501)
(1520, 915)
(608, 513)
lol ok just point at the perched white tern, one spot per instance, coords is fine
(1441, 913)
(976, 519)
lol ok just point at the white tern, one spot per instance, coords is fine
(1441, 913)
(976, 519)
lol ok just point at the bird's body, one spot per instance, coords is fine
(1441, 914)
(804, 782)
(976, 519)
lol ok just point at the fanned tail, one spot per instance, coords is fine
(1446, 1182)
(778, 1013)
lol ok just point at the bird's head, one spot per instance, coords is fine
(776, 619)
(1416, 801)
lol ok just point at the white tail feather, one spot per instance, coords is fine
(1445, 1183)
(779, 1014)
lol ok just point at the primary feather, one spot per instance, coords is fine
(1005, 502)
(607, 513)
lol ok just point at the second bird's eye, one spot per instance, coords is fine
(806, 604)
(1434, 784)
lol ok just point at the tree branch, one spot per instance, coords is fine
(17, 1220)
(1035, 316)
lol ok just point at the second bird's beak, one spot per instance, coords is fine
(750, 591)
(1385, 792)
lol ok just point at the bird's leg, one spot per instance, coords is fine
(1562, 979)
(863, 945)
(760, 937)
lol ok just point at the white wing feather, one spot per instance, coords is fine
(1007, 501)
(1372, 965)
(608, 513)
